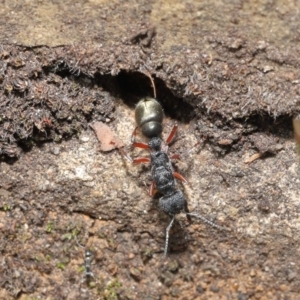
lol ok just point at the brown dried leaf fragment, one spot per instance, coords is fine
(253, 158)
(108, 140)
(225, 142)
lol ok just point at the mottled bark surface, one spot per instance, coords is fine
(226, 71)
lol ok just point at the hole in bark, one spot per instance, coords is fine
(132, 86)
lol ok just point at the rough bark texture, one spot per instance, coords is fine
(226, 72)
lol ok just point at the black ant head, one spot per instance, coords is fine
(155, 143)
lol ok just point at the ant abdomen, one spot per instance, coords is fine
(149, 116)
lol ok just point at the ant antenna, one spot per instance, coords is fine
(167, 236)
(146, 72)
(124, 153)
(77, 242)
(212, 224)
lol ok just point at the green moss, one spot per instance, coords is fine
(81, 269)
(111, 243)
(48, 257)
(50, 226)
(61, 265)
(6, 207)
(92, 284)
(110, 292)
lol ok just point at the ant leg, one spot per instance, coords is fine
(167, 237)
(198, 143)
(134, 135)
(180, 177)
(186, 210)
(124, 153)
(171, 135)
(175, 156)
(141, 160)
(190, 150)
(212, 224)
(151, 190)
(140, 145)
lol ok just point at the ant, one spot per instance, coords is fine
(149, 117)
(88, 274)
(87, 265)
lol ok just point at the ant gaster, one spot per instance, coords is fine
(149, 118)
